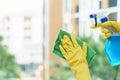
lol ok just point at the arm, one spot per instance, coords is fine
(75, 56)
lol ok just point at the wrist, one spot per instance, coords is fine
(81, 68)
(83, 73)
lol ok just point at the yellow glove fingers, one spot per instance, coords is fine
(75, 44)
(65, 46)
(98, 25)
(68, 41)
(107, 35)
(104, 30)
(113, 24)
(63, 52)
(84, 48)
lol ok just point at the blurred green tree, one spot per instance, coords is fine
(64, 72)
(8, 66)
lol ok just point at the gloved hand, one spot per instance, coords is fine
(104, 28)
(75, 56)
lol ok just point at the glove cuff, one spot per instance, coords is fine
(83, 73)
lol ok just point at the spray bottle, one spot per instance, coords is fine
(112, 45)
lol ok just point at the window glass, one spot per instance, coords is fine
(112, 3)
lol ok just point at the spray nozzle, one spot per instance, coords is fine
(95, 18)
(99, 16)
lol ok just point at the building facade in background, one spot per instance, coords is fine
(76, 14)
(23, 34)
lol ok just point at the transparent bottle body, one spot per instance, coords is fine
(112, 50)
(112, 45)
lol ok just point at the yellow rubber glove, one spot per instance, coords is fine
(105, 26)
(75, 57)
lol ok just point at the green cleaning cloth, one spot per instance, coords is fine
(56, 50)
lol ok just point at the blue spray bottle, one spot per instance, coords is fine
(112, 45)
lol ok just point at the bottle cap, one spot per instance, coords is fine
(104, 19)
